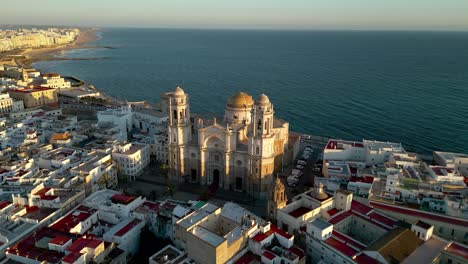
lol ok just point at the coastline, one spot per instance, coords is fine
(88, 35)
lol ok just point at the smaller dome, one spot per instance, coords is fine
(179, 91)
(263, 99)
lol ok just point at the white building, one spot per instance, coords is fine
(126, 234)
(444, 174)
(54, 80)
(131, 158)
(7, 104)
(456, 161)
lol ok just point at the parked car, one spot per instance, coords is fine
(300, 167)
(292, 184)
(317, 169)
(301, 162)
(296, 171)
(292, 178)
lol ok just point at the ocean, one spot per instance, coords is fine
(408, 87)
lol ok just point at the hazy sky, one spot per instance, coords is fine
(271, 14)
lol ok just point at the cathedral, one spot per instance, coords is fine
(241, 152)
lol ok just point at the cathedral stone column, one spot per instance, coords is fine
(182, 164)
(227, 178)
(202, 166)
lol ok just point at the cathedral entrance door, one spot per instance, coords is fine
(238, 183)
(216, 177)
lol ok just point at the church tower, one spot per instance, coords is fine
(179, 132)
(277, 200)
(261, 147)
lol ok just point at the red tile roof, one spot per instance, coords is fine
(49, 197)
(127, 227)
(458, 249)
(31, 90)
(382, 219)
(365, 179)
(71, 220)
(4, 204)
(299, 212)
(273, 229)
(360, 207)
(348, 240)
(27, 248)
(83, 242)
(280, 232)
(364, 259)
(332, 211)
(60, 240)
(72, 257)
(152, 206)
(122, 199)
(342, 247)
(297, 251)
(51, 74)
(261, 236)
(339, 217)
(42, 191)
(269, 255)
(421, 214)
(248, 258)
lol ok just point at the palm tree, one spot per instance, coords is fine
(104, 181)
(153, 195)
(170, 190)
(140, 193)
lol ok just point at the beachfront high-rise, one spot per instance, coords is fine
(240, 152)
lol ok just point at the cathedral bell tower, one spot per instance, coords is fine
(261, 147)
(276, 200)
(179, 132)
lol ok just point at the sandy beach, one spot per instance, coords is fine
(86, 36)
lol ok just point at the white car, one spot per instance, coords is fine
(292, 184)
(292, 179)
(301, 162)
(305, 156)
(300, 167)
(316, 169)
(296, 172)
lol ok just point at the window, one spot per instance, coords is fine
(216, 158)
(257, 150)
(453, 232)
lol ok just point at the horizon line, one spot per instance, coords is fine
(249, 28)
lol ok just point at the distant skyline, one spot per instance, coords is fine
(244, 14)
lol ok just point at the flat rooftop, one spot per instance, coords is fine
(300, 212)
(207, 236)
(343, 144)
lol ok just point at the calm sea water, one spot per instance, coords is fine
(409, 87)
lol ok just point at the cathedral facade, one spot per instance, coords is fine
(240, 152)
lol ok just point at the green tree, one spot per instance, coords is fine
(170, 190)
(153, 195)
(105, 181)
(140, 193)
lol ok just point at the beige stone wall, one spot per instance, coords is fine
(34, 99)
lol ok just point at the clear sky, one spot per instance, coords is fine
(270, 14)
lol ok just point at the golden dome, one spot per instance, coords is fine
(240, 100)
